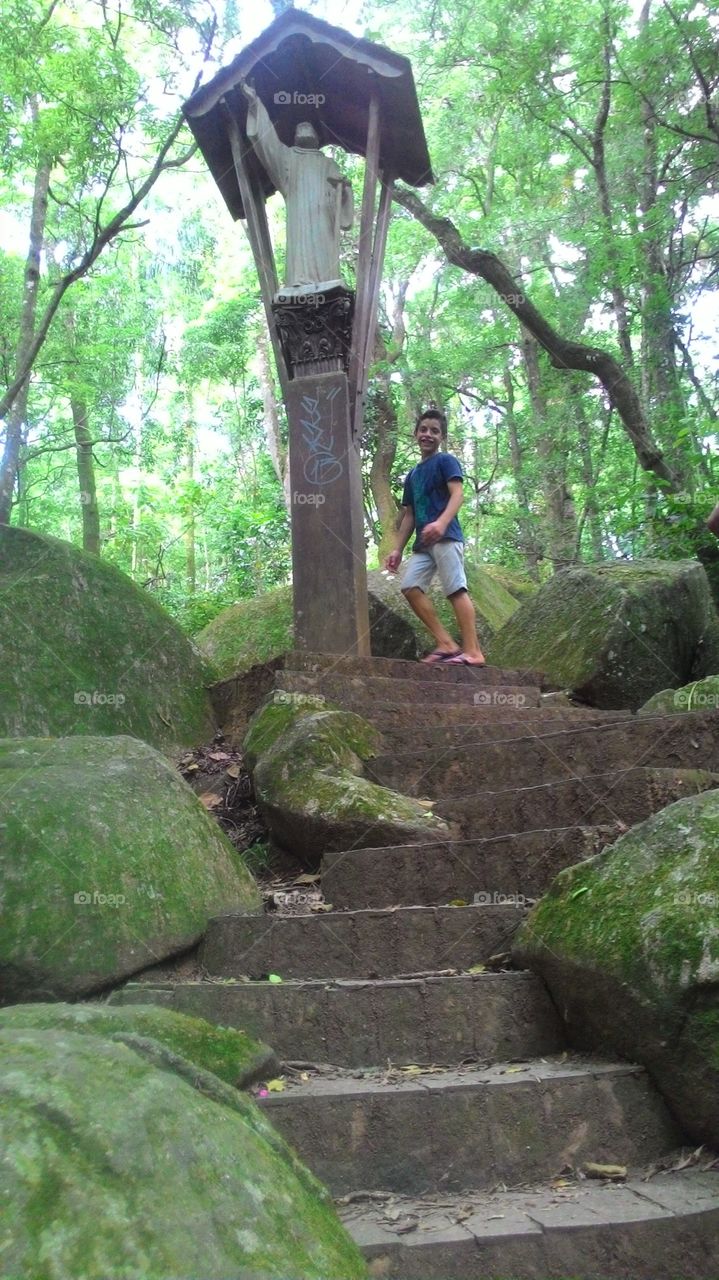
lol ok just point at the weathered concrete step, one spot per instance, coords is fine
(339, 688)
(521, 865)
(357, 944)
(398, 669)
(474, 1127)
(628, 797)
(363, 1024)
(407, 717)
(492, 729)
(686, 741)
(661, 1229)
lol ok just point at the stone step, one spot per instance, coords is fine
(471, 1127)
(363, 1024)
(686, 741)
(339, 688)
(407, 718)
(664, 1228)
(357, 944)
(483, 729)
(399, 669)
(628, 797)
(520, 866)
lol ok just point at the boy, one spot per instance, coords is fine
(432, 497)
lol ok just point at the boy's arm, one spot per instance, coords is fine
(404, 533)
(435, 531)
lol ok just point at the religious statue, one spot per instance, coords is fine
(318, 199)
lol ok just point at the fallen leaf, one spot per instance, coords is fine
(577, 892)
(617, 1172)
(458, 902)
(411, 1070)
(276, 1086)
(219, 755)
(477, 968)
(209, 799)
(321, 906)
(306, 879)
(233, 771)
(426, 804)
(274, 977)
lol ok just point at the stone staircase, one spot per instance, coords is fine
(428, 1084)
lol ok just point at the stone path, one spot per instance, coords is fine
(429, 1085)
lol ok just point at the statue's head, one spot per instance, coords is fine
(306, 136)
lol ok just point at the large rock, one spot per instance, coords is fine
(84, 650)
(108, 863)
(258, 631)
(230, 1054)
(612, 633)
(306, 759)
(123, 1161)
(700, 695)
(628, 944)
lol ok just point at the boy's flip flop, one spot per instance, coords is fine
(462, 660)
(440, 655)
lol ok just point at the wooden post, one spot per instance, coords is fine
(329, 574)
(364, 259)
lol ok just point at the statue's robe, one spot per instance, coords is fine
(317, 208)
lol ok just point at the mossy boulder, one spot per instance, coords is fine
(230, 1054)
(108, 862)
(306, 759)
(249, 632)
(122, 1162)
(700, 695)
(85, 650)
(614, 634)
(628, 943)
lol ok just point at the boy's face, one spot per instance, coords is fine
(429, 436)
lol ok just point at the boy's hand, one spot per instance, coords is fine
(432, 533)
(392, 562)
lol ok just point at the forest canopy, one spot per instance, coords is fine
(555, 290)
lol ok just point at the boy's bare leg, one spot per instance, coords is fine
(423, 607)
(467, 621)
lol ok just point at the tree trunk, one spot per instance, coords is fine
(528, 542)
(17, 414)
(559, 507)
(190, 558)
(86, 475)
(273, 435)
(381, 468)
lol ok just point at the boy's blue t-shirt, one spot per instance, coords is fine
(426, 491)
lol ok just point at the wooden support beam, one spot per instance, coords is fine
(258, 234)
(361, 318)
(375, 277)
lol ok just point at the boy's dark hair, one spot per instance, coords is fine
(433, 413)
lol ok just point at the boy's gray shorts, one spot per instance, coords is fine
(445, 558)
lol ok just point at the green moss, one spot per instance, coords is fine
(645, 909)
(86, 651)
(114, 1168)
(611, 632)
(700, 695)
(231, 1055)
(98, 883)
(307, 767)
(249, 632)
